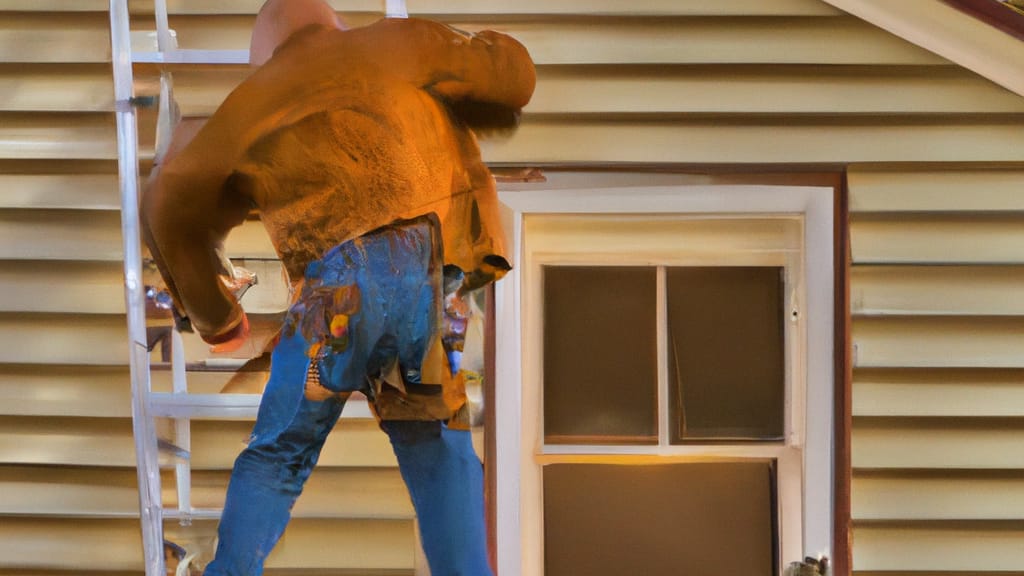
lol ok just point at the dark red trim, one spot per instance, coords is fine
(490, 432)
(993, 13)
(842, 545)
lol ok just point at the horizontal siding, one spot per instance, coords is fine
(56, 88)
(759, 140)
(85, 287)
(765, 89)
(961, 191)
(65, 390)
(631, 40)
(63, 339)
(250, 240)
(937, 290)
(700, 89)
(60, 235)
(57, 141)
(921, 342)
(923, 549)
(504, 7)
(938, 398)
(68, 191)
(71, 135)
(933, 151)
(55, 37)
(905, 495)
(937, 239)
(938, 443)
(68, 441)
(714, 139)
(938, 392)
(95, 235)
(54, 6)
(94, 493)
(113, 545)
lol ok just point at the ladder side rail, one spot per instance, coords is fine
(182, 431)
(164, 41)
(144, 430)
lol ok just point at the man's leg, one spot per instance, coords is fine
(269, 474)
(446, 482)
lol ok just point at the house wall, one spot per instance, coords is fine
(934, 154)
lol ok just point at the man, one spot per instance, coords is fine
(357, 147)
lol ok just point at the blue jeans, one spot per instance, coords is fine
(387, 286)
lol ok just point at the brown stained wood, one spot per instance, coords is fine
(842, 525)
(992, 13)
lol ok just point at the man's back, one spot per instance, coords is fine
(339, 133)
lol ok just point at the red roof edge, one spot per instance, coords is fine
(993, 13)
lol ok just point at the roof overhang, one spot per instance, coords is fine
(940, 27)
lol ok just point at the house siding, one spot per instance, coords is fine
(933, 153)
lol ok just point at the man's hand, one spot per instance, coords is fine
(233, 340)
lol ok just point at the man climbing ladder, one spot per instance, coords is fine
(357, 146)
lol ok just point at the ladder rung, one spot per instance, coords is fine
(170, 405)
(192, 56)
(193, 514)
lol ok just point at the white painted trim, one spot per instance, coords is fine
(819, 479)
(944, 30)
(508, 394)
(519, 514)
(663, 395)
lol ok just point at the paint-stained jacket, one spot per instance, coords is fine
(339, 133)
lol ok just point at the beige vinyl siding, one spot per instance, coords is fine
(938, 399)
(935, 155)
(62, 329)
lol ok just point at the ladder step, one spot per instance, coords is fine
(171, 405)
(193, 514)
(192, 56)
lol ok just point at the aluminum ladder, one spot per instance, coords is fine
(179, 405)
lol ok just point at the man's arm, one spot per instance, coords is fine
(186, 213)
(487, 67)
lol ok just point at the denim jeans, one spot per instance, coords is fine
(387, 286)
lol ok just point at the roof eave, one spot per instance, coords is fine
(941, 28)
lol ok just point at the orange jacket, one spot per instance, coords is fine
(339, 133)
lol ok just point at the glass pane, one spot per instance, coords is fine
(700, 519)
(726, 353)
(600, 377)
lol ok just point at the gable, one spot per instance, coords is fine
(941, 28)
